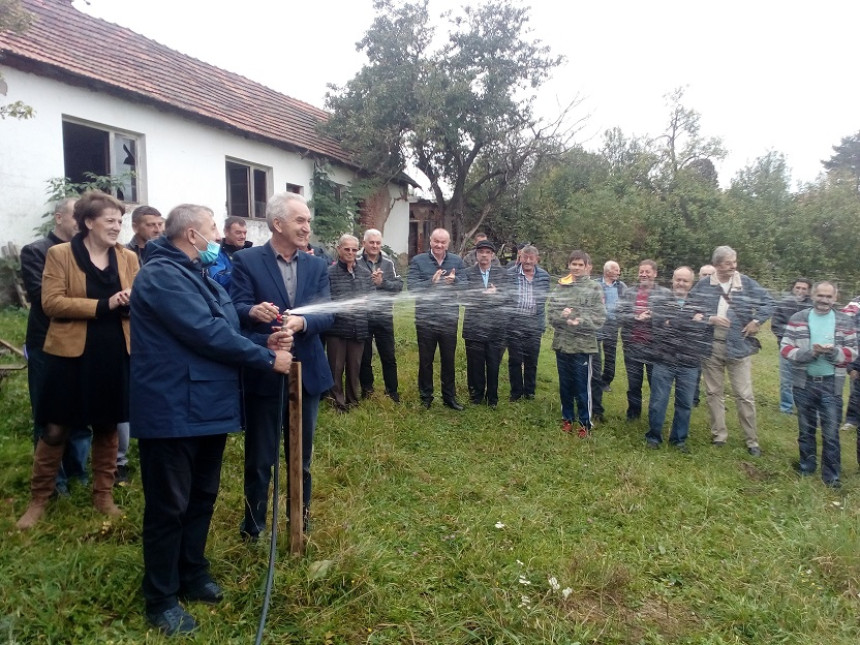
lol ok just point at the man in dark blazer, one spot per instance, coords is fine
(434, 281)
(269, 281)
(32, 265)
(485, 297)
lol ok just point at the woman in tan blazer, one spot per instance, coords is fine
(85, 290)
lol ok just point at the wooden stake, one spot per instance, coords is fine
(294, 468)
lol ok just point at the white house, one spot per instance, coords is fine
(110, 101)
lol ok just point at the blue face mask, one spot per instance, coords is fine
(210, 253)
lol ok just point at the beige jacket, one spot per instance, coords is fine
(64, 299)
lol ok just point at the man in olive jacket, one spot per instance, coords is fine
(575, 310)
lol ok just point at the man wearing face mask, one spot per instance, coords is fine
(186, 353)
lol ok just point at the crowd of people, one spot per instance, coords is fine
(182, 337)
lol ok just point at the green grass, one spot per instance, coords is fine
(474, 527)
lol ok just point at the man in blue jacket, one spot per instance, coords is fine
(434, 279)
(269, 281)
(235, 234)
(735, 306)
(186, 353)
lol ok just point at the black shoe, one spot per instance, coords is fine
(492, 406)
(394, 396)
(834, 483)
(652, 445)
(454, 405)
(120, 477)
(683, 448)
(208, 593)
(172, 621)
(529, 397)
(755, 451)
(427, 403)
(598, 418)
(366, 394)
(514, 399)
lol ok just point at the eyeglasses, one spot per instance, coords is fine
(349, 250)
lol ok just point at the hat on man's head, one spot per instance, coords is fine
(485, 244)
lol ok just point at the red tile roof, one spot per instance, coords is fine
(75, 48)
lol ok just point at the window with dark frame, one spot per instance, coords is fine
(247, 189)
(103, 151)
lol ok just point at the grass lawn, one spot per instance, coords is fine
(474, 527)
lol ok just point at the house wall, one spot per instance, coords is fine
(180, 161)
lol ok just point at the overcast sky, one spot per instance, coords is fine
(764, 74)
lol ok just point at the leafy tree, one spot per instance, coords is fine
(62, 187)
(333, 205)
(14, 18)
(822, 237)
(460, 111)
(845, 160)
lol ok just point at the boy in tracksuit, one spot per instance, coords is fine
(575, 310)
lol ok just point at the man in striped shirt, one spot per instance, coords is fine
(819, 342)
(532, 288)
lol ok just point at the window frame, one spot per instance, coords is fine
(137, 182)
(255, 207)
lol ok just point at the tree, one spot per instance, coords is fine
(334, 209)
(683, 146)
(460, 112)
(845, 160)
(14, 18)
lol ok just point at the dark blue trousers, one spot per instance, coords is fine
(180, 485)
(574, 385)
(261, 453)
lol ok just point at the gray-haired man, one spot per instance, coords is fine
(380, 321)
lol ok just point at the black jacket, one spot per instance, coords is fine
(351, 322)
(678, 339)
(32, 264)
(784, 310)
(380, 310)
(487, 315)
(436, 304)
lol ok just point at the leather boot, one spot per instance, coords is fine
(46, 464)
(104, 450)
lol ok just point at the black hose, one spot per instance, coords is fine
(273, 543)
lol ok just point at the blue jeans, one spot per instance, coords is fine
(786, 399)
(816, 402)
(574, 385)
(686, 380)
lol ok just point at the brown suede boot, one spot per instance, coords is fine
(104, 449)
(46, 464)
